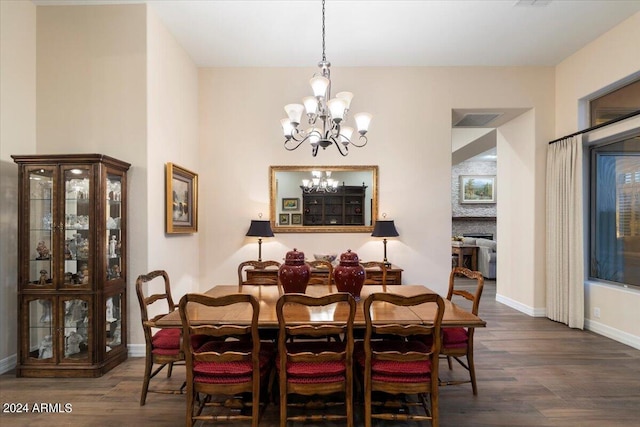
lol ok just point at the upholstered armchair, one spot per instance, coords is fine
(487, 255)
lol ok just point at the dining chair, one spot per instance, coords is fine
(458, 342)
(404, 362)
(163, 347)
(260, 273)
(321, 278)
(230, 365)
(310, 368)
(376, 280)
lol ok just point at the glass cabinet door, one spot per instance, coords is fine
(77, 332)
(113, 235)
(77, 227)
(113, 323)
(40, 329)
(41, 227)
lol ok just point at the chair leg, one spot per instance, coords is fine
(283, 403)
(449, 362)
(472, 372)
(145, 382)
(170, 370)
(367, 405)
(349, 403)
(435, 414)
(189, 419)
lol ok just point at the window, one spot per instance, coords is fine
(615, 211)
(616, 104)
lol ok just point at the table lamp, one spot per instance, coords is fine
(260, 228)
(385, 228)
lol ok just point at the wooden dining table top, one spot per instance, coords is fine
(267, 296)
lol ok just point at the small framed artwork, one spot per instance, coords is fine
(284, 219)
(290, 204)
(296, 219)
(181, 200)
(477, 189)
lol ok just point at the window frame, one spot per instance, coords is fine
(601, 136)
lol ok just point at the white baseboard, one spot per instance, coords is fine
(614, 334)
(598, 328)
(137, 350)
(8, 363)
(516, 305)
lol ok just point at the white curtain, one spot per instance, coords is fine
(565, 251)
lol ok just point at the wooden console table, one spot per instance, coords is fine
(469, 251)
(394, 274)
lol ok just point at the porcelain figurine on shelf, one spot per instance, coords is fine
(44, 351)
(43, 251)
(73, 344)
(46, 310)
(113, 243)
(44, 275)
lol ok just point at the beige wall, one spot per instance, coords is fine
(172, 129)
(602, 63)
(241, 137)
(92, 89)
(17, 136)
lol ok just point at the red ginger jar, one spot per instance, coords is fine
(294, 273)
(349, 275)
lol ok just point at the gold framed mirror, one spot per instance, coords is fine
(323, 199)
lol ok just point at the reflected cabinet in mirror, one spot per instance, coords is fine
(323, 199)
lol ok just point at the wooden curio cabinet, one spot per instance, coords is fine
(72, 265)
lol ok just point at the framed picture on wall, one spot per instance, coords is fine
(284, 219)
(477, 189)
(181, 200)
(296, 219)
(290, 204)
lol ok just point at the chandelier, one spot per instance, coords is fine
(325, 115)
(320, 183)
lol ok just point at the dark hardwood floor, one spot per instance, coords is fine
(531, 372)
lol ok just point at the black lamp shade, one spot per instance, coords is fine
(260, 228)
(385, 228)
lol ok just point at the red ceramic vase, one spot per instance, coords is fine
(349, 275)
(294, 273)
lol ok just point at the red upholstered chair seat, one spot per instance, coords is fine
(167, 342)
(454, 337)
(167, 339)
(308, 372)
(230, 372)
(395, 371)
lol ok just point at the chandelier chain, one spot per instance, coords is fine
(324, 57)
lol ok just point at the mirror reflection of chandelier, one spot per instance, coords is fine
(320, 183)
(325, 115)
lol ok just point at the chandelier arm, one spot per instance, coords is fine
(362, 137)
(294, 139)
(342, 149)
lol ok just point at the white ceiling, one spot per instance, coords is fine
(219, 33)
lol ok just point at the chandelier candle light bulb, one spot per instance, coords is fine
(324, 114)
(320, 183)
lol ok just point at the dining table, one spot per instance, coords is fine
(268, 295)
